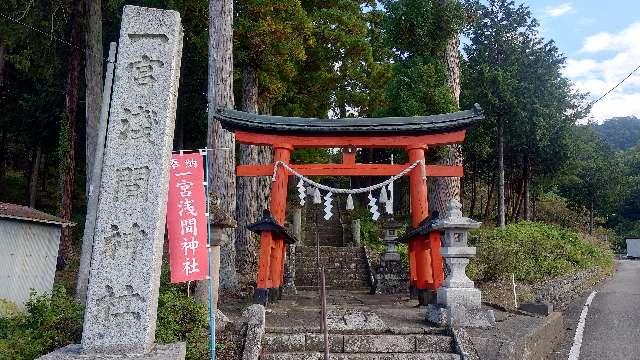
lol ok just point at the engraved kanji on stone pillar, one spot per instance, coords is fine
(143, 70)
(122, 298)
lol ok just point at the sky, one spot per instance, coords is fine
(601, 41)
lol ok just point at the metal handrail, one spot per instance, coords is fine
(373, 281)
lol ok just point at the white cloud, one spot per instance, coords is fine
(576, 68)
(558, 10)
(606, 59)
(604, 41)
(617, 104)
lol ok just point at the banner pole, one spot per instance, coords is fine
(212, 320)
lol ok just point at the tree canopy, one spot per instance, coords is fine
(339, 58)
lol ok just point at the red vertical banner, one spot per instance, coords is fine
(186, 219)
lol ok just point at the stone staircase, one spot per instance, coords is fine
(310, 346)
(345, 268)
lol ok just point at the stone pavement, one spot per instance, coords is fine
(377, 313)
(361, 326)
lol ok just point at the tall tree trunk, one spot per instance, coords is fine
(534, 204)
(490, 190)
(448, 188)
(474, 195)
(519, 201)
(3, 131)
(36, 159)
(3, 53)
(247, 208)
(3, 144)
(265, 156)
(222, 179)
(500, 154)
(93, 79)
(527, 187)
(68, 130)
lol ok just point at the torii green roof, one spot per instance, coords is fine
(237, 120)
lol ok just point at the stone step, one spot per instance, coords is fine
(312, 274)
(364, 356)
(346, 267)
(302, 249)
(312, 250)
(345, 255)
(314, 329)
(334, 282)
(358, 287)
(330, 257)
(340, 274)
(343, 283)
(333, 279)
(411, 343)
(331, 265)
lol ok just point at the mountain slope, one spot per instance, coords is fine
(620, 133)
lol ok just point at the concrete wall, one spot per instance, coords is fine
(28, 254)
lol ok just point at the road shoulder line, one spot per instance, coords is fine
(574, 354)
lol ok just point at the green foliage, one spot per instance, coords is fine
(417, 32)
(8, 309)
(516, 77)
(50, 322)
(371, 234)
(421, 27)
(533, 252)
(271, 37)
(181, 318)
(593, 179)
(334, 76)
(31, 88)
(56, 321)
(419, 87)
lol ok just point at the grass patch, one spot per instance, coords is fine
(533, 252)
(49, 322)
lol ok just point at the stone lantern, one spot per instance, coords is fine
(458, 301)
(391, 275)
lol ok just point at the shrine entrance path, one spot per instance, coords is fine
(348, 312)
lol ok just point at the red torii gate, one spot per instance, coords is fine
(285, 134)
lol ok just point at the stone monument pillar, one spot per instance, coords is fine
(355, 231)
(458, 301)
(391, 275)
(122, 298)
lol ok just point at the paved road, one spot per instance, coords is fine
(612, 328)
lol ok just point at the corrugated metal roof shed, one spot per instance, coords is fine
(19, 212)
(29, 241)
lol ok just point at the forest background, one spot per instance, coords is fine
(531, 159)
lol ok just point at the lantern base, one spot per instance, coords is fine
(460, 317)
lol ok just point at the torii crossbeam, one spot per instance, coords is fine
(285, 134)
